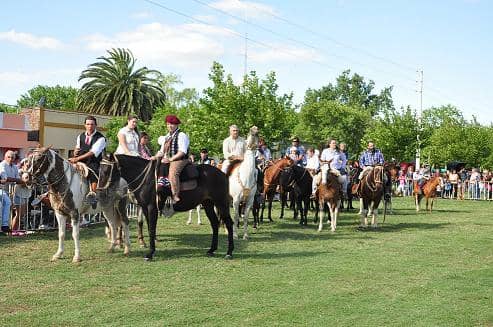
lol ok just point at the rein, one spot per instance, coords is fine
(144, 173)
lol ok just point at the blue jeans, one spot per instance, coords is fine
(5, 207)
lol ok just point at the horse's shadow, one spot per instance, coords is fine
(386, 228)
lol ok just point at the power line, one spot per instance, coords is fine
(231, 31)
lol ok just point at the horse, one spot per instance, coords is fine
(258, 199)
(190, 213)
(375, 185)
(429, 191)
(212, 190)
(242, 177)
(299, 181)
(271, 181)
(67, 189)
(328, 195)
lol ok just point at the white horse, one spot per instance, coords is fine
(243, 182)
(67, 190)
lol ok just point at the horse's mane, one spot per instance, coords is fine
(131, 160)
(232, 165)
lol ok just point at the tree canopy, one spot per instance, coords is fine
(53, 97)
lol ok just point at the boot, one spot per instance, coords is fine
(91, 196)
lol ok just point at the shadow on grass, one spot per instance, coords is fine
(385, 228)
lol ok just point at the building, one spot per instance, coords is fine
(45, 127)
(14, 130)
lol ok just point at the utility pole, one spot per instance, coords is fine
(245, 63)
(420, 113)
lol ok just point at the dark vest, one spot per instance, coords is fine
(173, 149)
(84, 148)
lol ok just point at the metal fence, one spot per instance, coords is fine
(481, 190)
(42, 217)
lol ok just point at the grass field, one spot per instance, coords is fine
(416, 269)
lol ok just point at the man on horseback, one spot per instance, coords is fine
(88, 149)
(369, 159)
(233, 147)
(174, 151)
(334, 161)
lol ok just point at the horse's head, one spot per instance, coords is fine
(108, 171)
(39, 163)
(286, 177)
(252, 139)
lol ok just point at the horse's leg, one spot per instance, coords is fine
(283, 203)
(110, 214)
(199, 221)
(236, 207)
(321, 206)
(151, 216)
(334, 213)
(374, 211)
(214, 221)
(140, 228)
(416, 201)
(363, 214)
(306, 207)
(62, 220)
(270, 209)
(124, 224)
(189, 221)
(248, 205)
(361, 206)
(74, 215)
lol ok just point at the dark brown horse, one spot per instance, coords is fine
(429, 191)
(299, 182)
(328, 195)
(375, 185)
(212, 192)
(271, 181)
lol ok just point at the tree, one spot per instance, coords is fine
(55, 97)
(7, 108)
(395, 134)
(116, 88)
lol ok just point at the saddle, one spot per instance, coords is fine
(188, 177)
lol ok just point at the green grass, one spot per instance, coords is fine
(416, 269)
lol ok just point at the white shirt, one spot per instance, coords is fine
(131, 139)
(233, 147)
(266, 155)
(97, 147)
(338, 161)
(183, 143)
(313, 163)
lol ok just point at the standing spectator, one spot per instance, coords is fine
(409, 180)
(21, 197)
(474, 180)
(9, 174)
(128, 138)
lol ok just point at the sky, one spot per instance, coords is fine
(306, 43)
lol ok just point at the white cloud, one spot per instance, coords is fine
(240, 8)
(141, 15)
(30, 40)
(282, 53)
(182, 45)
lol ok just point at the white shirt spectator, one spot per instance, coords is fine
(313, 163)
(338, 161)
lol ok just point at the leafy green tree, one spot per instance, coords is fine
(55, 97)
(394, 133)
(114, 87)
(7, 108)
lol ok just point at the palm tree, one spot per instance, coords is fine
(115, 89)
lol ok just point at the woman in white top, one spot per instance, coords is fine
(128, 138)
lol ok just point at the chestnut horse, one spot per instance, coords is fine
(375, 185)
(330, 194)
(429, 191)
(271, 181)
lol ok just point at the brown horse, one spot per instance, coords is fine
(271, 181)
(375, 185)
(330, 194)
(429, 191)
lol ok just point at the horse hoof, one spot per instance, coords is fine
(76, 260)
(189, 222)
(210, 253)
(228, 257)
(148, 258)
(245, 237)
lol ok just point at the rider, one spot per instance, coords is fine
(331, 158)
(369, 158)
(88, 149)
(300, 158)
(420, 177)
(174, 150)
(234, 147)
(128, 138)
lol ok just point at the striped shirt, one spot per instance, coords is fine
(371, 158)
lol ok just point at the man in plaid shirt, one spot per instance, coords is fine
(368, 159)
